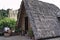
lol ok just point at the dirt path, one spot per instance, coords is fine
(14, 38)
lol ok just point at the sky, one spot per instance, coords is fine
(15, 4)
(12, 4)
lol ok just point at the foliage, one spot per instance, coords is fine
(3, 13)
(17, 30)
(7, 22)
(30, 33)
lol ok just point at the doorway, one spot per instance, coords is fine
(26, 25)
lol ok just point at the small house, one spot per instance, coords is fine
(42, 17)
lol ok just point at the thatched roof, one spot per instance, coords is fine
(58, 13)
(43, 18)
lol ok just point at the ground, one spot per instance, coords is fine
(14, 38)
(20, 38)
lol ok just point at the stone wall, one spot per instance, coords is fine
(21, 18)
(13, 14)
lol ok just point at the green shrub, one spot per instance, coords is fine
(7, 22)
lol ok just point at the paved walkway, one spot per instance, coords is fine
(14, 38)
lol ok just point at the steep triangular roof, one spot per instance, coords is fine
(43, 19)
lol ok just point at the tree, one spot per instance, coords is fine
(3, 13)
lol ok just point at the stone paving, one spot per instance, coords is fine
(14, 38)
